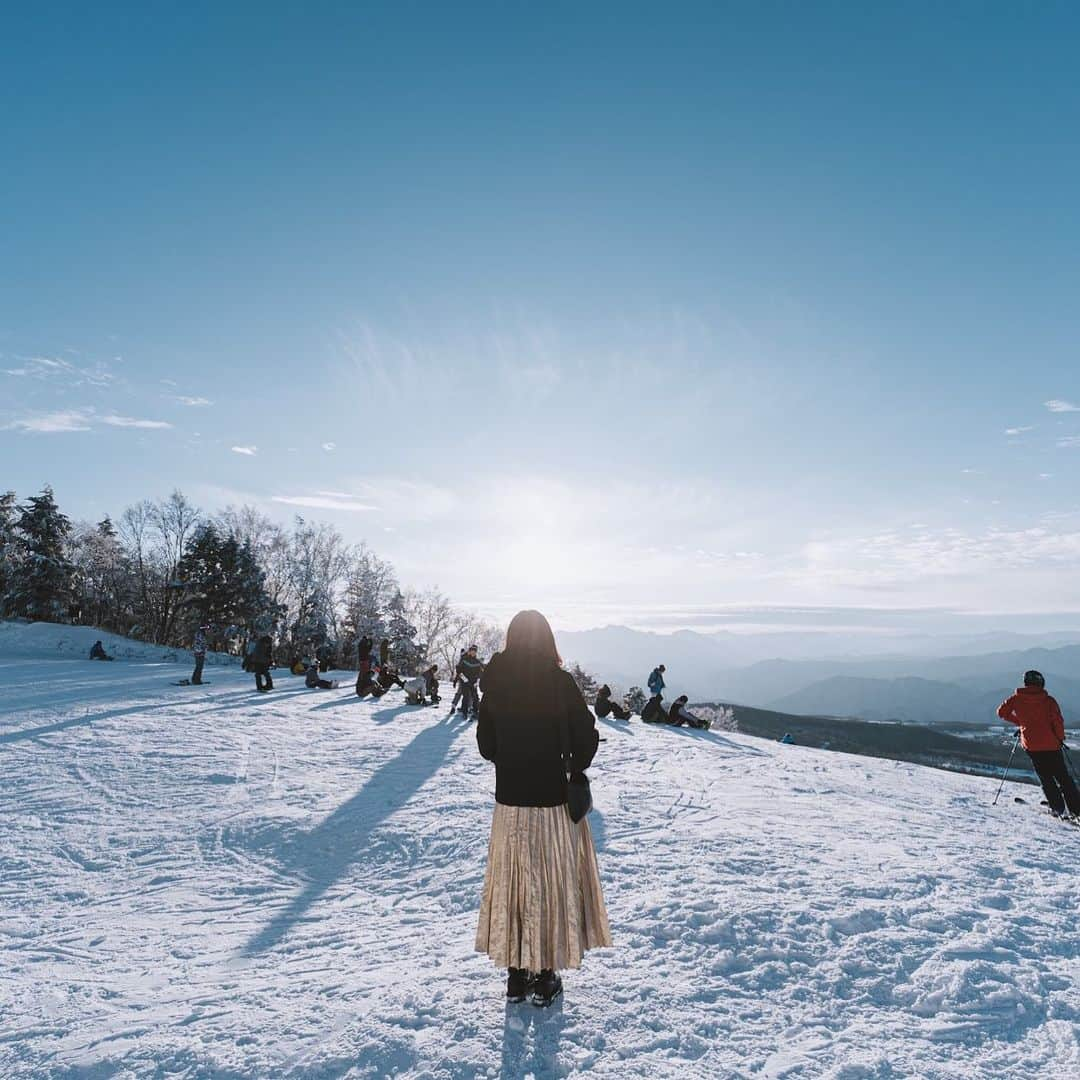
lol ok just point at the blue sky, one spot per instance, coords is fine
(633, 312)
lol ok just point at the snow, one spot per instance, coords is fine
(206, 882)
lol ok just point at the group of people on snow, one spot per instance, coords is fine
(677, 714)
(542, 905)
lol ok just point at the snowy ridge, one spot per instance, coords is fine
(43, 640)
(206, 882)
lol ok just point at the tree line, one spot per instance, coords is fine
(166, 567)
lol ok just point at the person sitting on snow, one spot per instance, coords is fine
(98, 652)
(426, 682)
(415, 688)
(312, 680)
(389, 677)
(678, 714)
(1042, 735)
(606, 707)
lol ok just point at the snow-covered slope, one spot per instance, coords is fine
(44, 640)
(206, 882)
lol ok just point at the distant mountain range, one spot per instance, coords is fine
(962, 684)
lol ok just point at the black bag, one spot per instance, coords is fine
(578, 792)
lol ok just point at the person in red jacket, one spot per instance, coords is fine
(1042, 735)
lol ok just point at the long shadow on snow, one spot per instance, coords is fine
(388, 715)
(70, 722)
(324, 854)
(546, 1025)
(713, 737)
(619, 725)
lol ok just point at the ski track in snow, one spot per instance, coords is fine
(206, 882)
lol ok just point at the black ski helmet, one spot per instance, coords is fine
(1034, 678)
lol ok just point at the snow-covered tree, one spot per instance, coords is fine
(407, 654)
(40, 586)
(636, 699)
(155, 536)
(720, 717)
(104, 591)
(586, 683)
(8, 550)
(372, 586)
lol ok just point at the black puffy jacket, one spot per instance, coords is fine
(525, 699)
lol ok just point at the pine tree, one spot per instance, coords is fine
(40, 583)
(224, 586)
(636, 699)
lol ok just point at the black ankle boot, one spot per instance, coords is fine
(546, 988)
(518, 984)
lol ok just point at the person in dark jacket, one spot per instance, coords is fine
(198, 647)
(431, 683)
(259, 662)
(606, 707)
(388, 677)
(1042, 735)
(470, 668)
(542, 905)
(97, 652)
(679, 714)
(324, 654)
(312, 680)
(455, 682)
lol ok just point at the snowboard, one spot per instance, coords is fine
(188, 682)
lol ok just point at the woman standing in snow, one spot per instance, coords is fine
(542, 906)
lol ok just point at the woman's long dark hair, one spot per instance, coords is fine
(530, 632)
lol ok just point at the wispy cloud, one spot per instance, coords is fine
(52, 423)
(60, 421)
(248, 451)
(326, 500)
(132, 422)
(193, 402)
(49, 368)
(1057, 405)
(1069, 441)
(328, 446)
(1019, 430)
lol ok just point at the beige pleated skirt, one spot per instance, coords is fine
(542, 906)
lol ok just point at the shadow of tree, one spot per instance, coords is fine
(324, 854)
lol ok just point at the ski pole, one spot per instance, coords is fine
(1016, 742)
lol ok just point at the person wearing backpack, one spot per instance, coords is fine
(1042, 735)
(542, 906)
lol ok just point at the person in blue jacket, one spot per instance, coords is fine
(654, 710)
